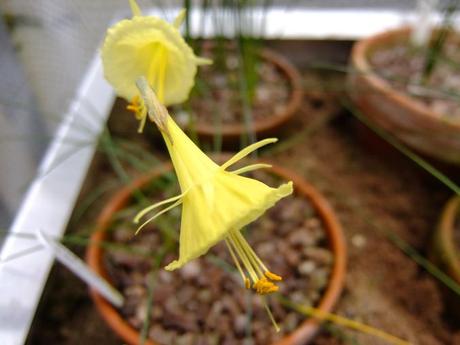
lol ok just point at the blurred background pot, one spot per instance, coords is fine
(446, 243)
(303, 334)
(405, 117)
(445, 252)
(232, 132)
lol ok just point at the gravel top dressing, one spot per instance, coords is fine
(403, 66)
(205, 302)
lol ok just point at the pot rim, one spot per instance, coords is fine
(362, 66)
(278, 118)
(303, 334)
(444, 240)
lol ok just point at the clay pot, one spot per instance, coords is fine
(407, 118)
(232, 132)
(303, 334)
(445, 251)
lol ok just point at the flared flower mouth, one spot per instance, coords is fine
(216, 208)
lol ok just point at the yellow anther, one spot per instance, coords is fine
(264, 286)
(247, 283)
(273, 276)
(137, 107)
(134, 103)
(257, 274)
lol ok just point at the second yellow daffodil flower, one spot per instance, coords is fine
(151, 47)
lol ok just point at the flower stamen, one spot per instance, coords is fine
(246, 280)
(244, 259)
(262, 278)
(137, 106)
(241, 251)
(244, 245)
(273, 276)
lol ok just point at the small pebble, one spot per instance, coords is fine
(320, 255)
(160, 335)
(306, 267)
(300, 237)
(358, 241)
(190, 270)
(240, 324)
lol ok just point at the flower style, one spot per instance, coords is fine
(216, 203)
(151, 47)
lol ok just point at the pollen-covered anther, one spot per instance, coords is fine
(247, 283)
(136, 106)
(273, 276)
(263, 286)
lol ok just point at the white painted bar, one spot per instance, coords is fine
(49, 203)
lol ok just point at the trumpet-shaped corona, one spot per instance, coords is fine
(151, 47)
(216, 202)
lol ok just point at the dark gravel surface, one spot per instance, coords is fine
(205, 301)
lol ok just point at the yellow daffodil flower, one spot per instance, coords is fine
(151, 47)
(216, 202)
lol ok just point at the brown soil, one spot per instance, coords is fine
(217, 98)
(205, 300)
(374, 195)
(402, 65)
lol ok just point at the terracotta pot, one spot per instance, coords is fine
(231, 133)
(444, 251)
(303, 334)
(405, 117)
